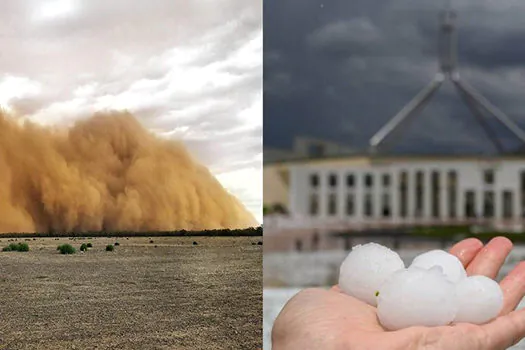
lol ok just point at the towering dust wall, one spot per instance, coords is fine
(106, 172)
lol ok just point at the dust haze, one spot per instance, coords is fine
(106, 173)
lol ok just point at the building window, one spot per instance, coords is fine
(488, 204)
(435, 194)
(470, 204)
(314, 180)
(403, 194)
(488, 176)
(508, 210)
(419, 194)
(332, 204)
(452, 193)
(350, 180)
(369, 180)
(350, 204)
(314, 204)
(385, 210)
(332, 180)
(368, 205)
(386, 180)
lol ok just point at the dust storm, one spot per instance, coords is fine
(106, 173)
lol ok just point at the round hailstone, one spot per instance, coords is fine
(480, 299)
(416, 297)
(451, 265)
(366, 268)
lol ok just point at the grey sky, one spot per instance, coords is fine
(189, 70)
(340, 69)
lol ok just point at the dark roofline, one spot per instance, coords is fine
(387, 156)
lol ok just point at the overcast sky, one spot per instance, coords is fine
(340, 69)
(189, 70)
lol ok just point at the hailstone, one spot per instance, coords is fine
(416, 297)
(451, 265)
(480, 299)
(366, 268)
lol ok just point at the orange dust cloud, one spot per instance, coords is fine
(106, 173)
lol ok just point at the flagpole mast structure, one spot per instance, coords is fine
(448, 70)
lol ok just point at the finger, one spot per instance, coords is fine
(505, 331)
(490, 259)
(513, 287)
(466, 250)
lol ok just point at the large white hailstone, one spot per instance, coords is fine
(480, 300)
(417, 297)
(366, 268)
(451, 265)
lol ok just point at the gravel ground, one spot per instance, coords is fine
(162, 295)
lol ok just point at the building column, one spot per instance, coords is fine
(462, 215)
(359, 196)
(411, 204)
(394, 195)
(498, 204)
(296, 196)
(516, 204)
(427, 194)
(443, 195)
(341, 193)
(323, 194)
(480, 196)
(377, 195)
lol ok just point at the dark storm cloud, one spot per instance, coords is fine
(341, 69)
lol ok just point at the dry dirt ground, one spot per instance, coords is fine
(169, 294)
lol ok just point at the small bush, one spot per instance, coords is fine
(83, 247)
(117, 244)
(89, 245)
(23, 247)
(14, 247)
(110, 248)
(66, 249)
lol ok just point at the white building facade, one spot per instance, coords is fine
(370, 191)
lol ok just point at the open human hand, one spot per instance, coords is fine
(328, 319)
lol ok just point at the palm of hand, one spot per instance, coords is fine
(329, 319)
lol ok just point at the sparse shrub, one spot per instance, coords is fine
(151, 241)
(14, 247)
(195, 243)
(23, 247)
(66, 249)
(110, 248)
(83, 247)
(89, 245)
